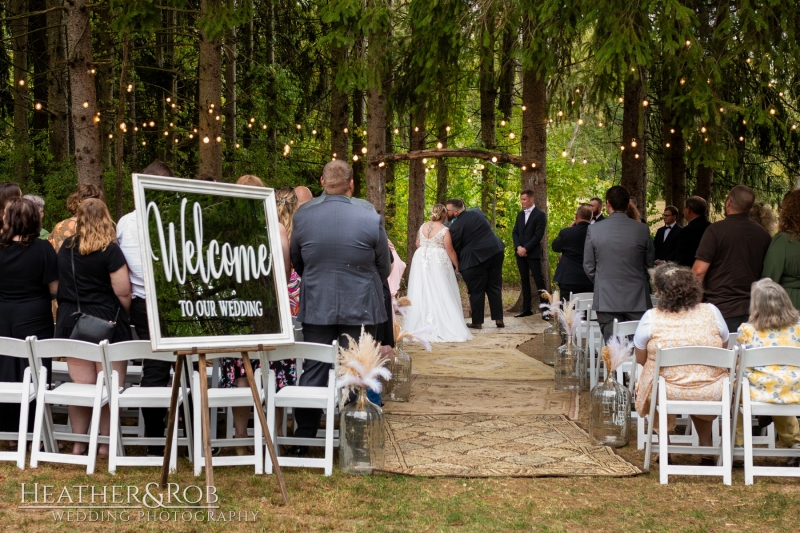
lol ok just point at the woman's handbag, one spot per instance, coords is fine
(89, 328)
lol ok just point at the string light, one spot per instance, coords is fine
(580, 122)
(130, 88)
(439, 145)
(688, 42)
(364, 150)
(633, 143)
(216, 118)
(447, 129)
(524, 168)
(38, 106)
(794, 126)
(85, 105)
(191, 135)
(135, 128)
(355, 158)
(560, 113)
(741, 139)
(264, 126)
(564, 153)
(482, 167)
(469, 121)
(502, 122)
(166, 133)
(703, 129)
(622, 147)
(299, 127)
(572, 160)
(219, 139)
(249, 125)
(672, 130)
(237, 146)
(144, 143)
(206, 140)
(416, 128)
(645, 103)
(169, 99)
(313, 132)
(21, 83)
(345, 130)
(110, 135)
(600, 124)
(171, 124)
(524, 108)
(176, 139)
(772, 111)
(424, 160)
(683, 81)
(93, 71)
(494, 159)
(585, 161)
(511, 135)
(667, 145)
(744, 121)
(381, 164)
(621, 99)
(396, 131)
(636, 156)
(152, 124)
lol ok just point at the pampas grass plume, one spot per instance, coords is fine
(361, 365)
(405, 301)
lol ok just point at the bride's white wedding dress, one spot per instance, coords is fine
(433, 291)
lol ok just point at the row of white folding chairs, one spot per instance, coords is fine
(96, 396)
(736, 390)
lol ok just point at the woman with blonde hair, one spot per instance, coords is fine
(432, 286)
(94, 280)
(773, 322)
(66, 228)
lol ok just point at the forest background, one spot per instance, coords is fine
(427, 99)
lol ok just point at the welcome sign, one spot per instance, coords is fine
(212, 263)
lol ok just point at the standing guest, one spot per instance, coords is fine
(680, 320)
(357, 201)
(666, 241)
(66, 228)
(28, 283)
(689, 238)
(763, 216)
(597, 210)
(570, 243)
(38, 201)
(773, 321)
(303, 194)
(92, 271)
(154, 373)
(480, 254)
(730, 257)
(341, 252)
(527, 236)
(617, 254)
(8, 190)
(782, 262)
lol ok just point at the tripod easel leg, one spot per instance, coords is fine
(248, 368)
(173, 410)
(206, 419)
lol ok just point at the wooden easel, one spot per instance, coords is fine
(206, 420)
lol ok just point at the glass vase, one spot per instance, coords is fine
(400, 384)
(551, 340)
(610, 413)
(570, 367)
(361, 436)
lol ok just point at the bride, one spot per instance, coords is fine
(432, 286)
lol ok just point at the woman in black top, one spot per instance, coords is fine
(100, 283)
(28, 283)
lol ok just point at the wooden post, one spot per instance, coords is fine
(205, 419)
(276, 468)
(173, 410)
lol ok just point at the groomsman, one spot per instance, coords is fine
(666, 242)
(597, 210)
(528, 232)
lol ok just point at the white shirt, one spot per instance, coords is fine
(594, 218)
(528, 213)
(667, 230)
(128, 239)
(643, 331)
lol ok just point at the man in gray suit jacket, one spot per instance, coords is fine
(617, 253)
(341, 252)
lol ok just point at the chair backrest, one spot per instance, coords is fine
(625, 329)
(51, 348)
(583, 304)
(130, 350)
(324, 353)
(15, 348)
(695, 355)
(767, 355)
(581, 296)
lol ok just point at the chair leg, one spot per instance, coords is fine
(94, 428)
(329, 438)
(173, 460)
(727, 455)
(663, 437)
(38, 420)
(748, 442)
(114, 440)
(198, 437)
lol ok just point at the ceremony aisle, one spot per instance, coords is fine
(483, 409)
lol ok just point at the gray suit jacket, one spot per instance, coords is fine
(617, 253)
(366, 204)
(341, 252)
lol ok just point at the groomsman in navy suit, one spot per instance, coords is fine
(666, 241)
(528, 232)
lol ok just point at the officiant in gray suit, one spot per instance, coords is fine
(341, 252)
(617, 254)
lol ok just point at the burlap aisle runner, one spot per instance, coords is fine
(483, 408)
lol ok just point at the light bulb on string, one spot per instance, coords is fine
(772, 111)
(672, 130)
(381, 164)
(416, 128)
(580, 122)
(600, 124)
(636, 156)
(572, 160)
(110, 135)
(585, 161)
(469, 121)
(560, 113)
(645, 103)
(171, 124)
(298, 126)
(482, 167)
(502, 122)
(191, 135)
(633, 143)
(621, 99)
(249, 125)
(396, 131)
(424, 160)
(152, 124)
(524, 168)
(85, 105)
(38, 106)
(136, 128)
(21, 83)
(252, 119)
(130, 88)
(683, 81)
(703, 129)
(494, 159)
(345, 130)
(313, 132)
(195, 130)
(741, 139)
(564, 153)
(622, 147)
(439, 145)
(447, 129)
(237, 146)
(363, 149)
(511, 135)
(176, 139)
(263, 126)
(173, 106)
(355, 158)
(794, 126)
(667, 145)
(169, 99)
(206, 140)
(524, 108)
(166, 133)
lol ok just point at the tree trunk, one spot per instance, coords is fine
(674, 164)
(120, 118)
(705, 178)
(376, 147)
(210, 97)
(391, 203)
(171, 23)
(39, 57)
(416, 183)
(105, 81)
(230, 88)
(507, 71)
(534, 151)
(441, 167)
(84, 96)
(19, 33)
(340, 110)
(247, 69)
(633, 155)
(488, 95)
(133, 142)
(358, 142)
(58, 125)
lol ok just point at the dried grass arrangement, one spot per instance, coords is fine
(401, 305)
(570, 318)
(361, 365)
(414, 336)
(553, 305)
(618, 350)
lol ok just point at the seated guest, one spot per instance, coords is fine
(66, 228)
(38, 201)
(666, 240)
(773, 322)
(680, 320)
(92, 268)
(28, 283)
(692, 232)
(782, 262)
(570, 243)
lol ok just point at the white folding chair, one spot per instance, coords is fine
(136, 398)
(76, 394)
(691, 355)
(228, 397)
(756, 357)
(296, 396)
(17, 393)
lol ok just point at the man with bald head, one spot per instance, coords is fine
(731, 256)
(341, 252)
(314, 201)
(303, 194)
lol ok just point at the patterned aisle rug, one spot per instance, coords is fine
(438, 395)
(470, 362)
(480, 445)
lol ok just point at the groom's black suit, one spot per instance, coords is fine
(480, 262)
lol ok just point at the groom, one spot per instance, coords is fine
(480, 260)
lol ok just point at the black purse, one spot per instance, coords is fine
(89, 328)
